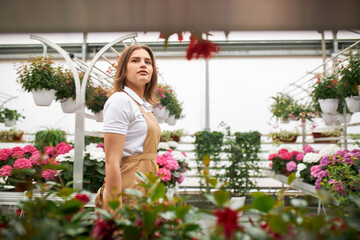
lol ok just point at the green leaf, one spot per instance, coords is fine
(101, 170)
(114, 204)
(65, 192)
(175, 174)
(141, 176)
(71, 206)
(158, 192)
(263, 203)
(291, 178)
(221, 197)
(181, 211)
(212, 181)
(277, 224)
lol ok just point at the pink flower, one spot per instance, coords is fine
(183, 154)
(48, 174)
(35, 158)
(172, 164)
(29, 149)
(291, 166)
(22, 163)
(228, 219)
(272, 156)
(165, 174)
(294, 153)
(270, 164)
(160, 160)
(4, 156)
(307, 148)
(14, 149)
(281, 151)
(314, 170)
(5, 171)
(18, 154)
(62, 148)
(286, 156)
(300, 157)
(50, 151)
(181, 178)
(6, 151)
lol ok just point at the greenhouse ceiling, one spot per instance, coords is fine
(176, 15)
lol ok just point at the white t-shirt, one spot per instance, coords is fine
(123, 116)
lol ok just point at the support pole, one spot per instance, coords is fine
(207, 96)
(84, 47)
(323, 48)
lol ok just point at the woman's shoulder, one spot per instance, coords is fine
(119, 97)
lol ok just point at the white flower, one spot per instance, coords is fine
(163, 146)
(172, 144)
(66, 157)
(299, 168)
(97, 154)
(329, 149)
(90, 147)
(311, 158)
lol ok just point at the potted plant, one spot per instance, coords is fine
(283, 136)
(66, 91)
(11, 135)
(40, 77)
(9, 117)
(169, 109)
(96, 101)
(243, 151)
(284, 161)
(350, 81)
(49, 137)
(325, 134)
(325, 94)
(281, 108)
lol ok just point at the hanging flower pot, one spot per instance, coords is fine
(171, 120)
(68, 105)
(347, 118)
(353, 103)
(43, 97)
(99, 116)
(329, 119)
(329, 105)
(284, 121)
(9, 123)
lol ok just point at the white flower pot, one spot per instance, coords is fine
(43, 97)
(161, 114)
(353, 103)
(329, 105)
(347, 118)
(329, 119)
(68, 105)
(171, 120)
(99, 116)
(284, 121)
(9, 123)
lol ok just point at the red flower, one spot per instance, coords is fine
(286, 156)
(272, 156)
(201, 48)
(82, 197)
(103, 229)
(282, 150)
(227, 218)
(19, 212)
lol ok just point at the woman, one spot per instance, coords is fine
(131, 133)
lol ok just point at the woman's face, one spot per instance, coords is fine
(139, 69)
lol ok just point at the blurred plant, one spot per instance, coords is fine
(49, 137)
(11, 135)
(168, 135)
(39, 73)
(9, 114)
(349, 71)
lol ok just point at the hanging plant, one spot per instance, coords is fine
(168, 99)
(97, 98)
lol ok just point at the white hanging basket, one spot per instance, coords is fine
(171, 120)
(161, 115)
(329, 105)
(68, 105)
(284, 121)
(347, 118)
(9, 123)
(353, 103)
(329, 119)
(43, 97)
(99, 116)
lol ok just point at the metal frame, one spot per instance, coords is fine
(80, 99)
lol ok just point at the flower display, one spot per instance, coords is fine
(172, 164)
(284, 161)
(19, 164)
(94, 165)
(168, 99)
(325, 87)
(339, 173)
(97, 98)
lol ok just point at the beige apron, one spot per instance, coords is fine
(145, 162)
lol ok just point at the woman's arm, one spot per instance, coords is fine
(114, 146)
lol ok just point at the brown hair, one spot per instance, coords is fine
(121, 72)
